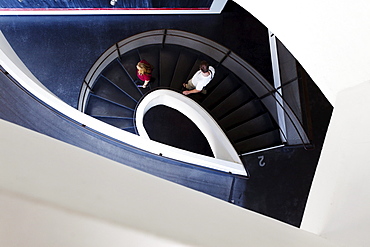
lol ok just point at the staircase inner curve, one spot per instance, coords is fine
(109, 92)
(220, 144)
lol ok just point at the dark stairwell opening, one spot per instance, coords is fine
(169, 126)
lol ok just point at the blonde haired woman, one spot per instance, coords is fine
(144, 72)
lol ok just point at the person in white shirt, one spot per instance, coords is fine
(200, 79)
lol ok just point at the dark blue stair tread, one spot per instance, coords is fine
(100, 107)
(129, 61)
(151, 54)
(131, 130)
(198, 97)
(246, 112)
(121, 123)
(105, 89)
(253, 127)
(117, 75)
(168, 60)
(264, 140)
(185, 64)
(233, 101)
(223, 89)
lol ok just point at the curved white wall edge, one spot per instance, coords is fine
(16, 68)
(219, 143)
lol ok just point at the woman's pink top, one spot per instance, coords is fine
(144, 77)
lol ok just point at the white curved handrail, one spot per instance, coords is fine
(218, 141)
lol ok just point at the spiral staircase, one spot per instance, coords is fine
(236, 97)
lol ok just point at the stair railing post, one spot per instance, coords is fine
(164, 37)
(223, 59)
(88, 86)
(118, 51)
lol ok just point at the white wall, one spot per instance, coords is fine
(339, 202)
(54, 194)
(331, 39)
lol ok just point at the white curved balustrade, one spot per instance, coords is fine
(220, 145)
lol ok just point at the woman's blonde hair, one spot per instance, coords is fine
(144, 68)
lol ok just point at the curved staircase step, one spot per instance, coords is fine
(116, 73)
(250, 128)
(105, 89)
(244, 113)
(221, 92)
(119, 122)
(128, 61)
(239, 97)
(258, 142)
(185, 64)
(101, 107)
(168, 59)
